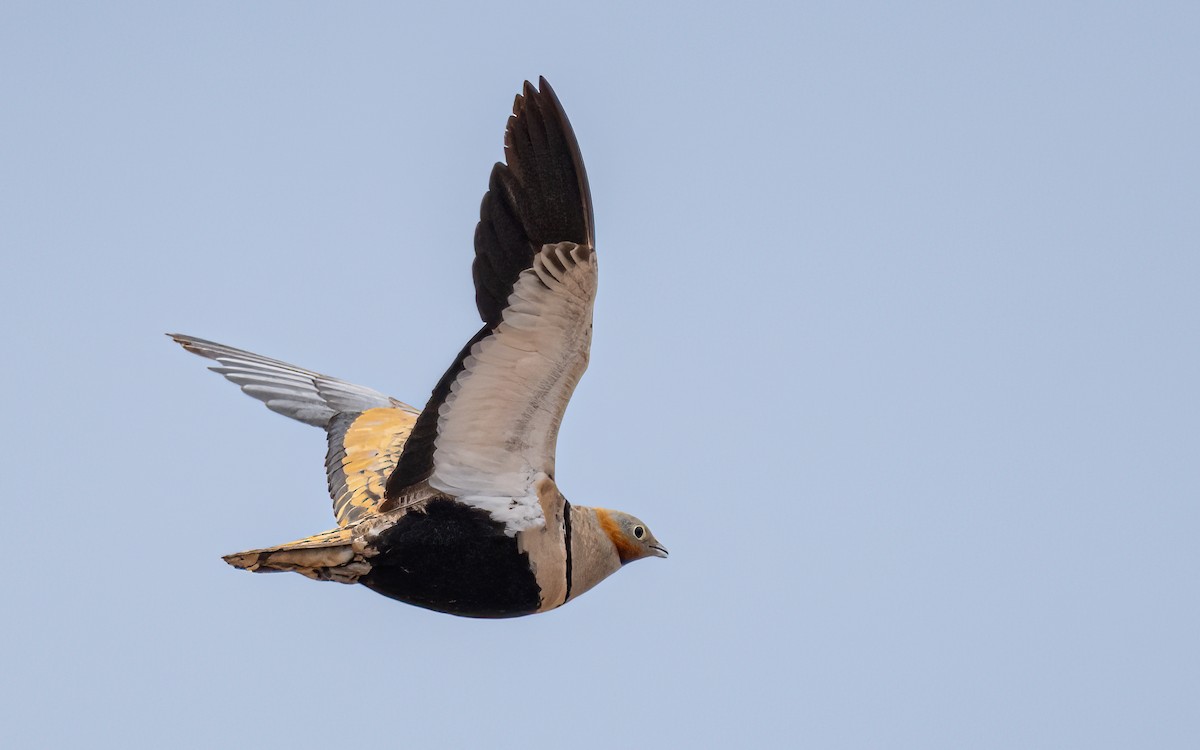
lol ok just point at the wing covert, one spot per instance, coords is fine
(363, 451)
(498, 427)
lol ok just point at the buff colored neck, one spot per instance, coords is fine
(594, 557)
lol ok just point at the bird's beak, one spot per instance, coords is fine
(659, 551)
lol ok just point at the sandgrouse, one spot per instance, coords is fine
(455, 508)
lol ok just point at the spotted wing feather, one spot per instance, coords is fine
(363, 450)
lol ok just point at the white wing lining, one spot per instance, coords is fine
(498, 427)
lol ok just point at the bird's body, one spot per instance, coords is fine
(455, 507)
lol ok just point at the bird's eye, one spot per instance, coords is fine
(639, 532)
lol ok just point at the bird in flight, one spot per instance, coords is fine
(456, 507)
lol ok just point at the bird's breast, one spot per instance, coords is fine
(454, 558)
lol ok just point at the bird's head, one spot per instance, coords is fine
(629, 535)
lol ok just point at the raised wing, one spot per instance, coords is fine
(366, 429)
(498, 427)
(491, 423)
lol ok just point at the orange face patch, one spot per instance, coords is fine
(626, 550)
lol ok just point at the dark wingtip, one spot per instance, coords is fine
(585, 191)
(538, 196)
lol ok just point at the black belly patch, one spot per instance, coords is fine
(454, 558)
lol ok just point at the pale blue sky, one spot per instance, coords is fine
(896, 350)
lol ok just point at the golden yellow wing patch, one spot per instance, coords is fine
(363, 450)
